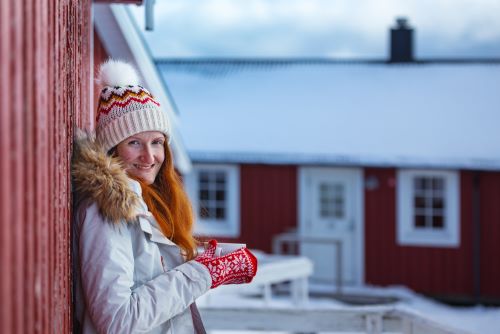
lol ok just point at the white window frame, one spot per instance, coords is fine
(230, 227)
(407, 234)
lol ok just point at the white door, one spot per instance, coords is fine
(331, 210)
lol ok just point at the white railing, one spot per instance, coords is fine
(272, 269)
(370, 320)
(293, 241)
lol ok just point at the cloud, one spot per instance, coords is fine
(319, 27)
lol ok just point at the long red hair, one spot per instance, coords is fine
(169, 204)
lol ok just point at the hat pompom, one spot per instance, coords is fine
(117, 73)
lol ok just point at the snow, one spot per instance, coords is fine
(423, 115)
(474, 319)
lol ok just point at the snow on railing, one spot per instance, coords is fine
(370, 320)
(272, 270)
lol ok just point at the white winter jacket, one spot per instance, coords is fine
(130, 278)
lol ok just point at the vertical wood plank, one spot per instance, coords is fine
(45, 74)
(6, 321)
(17, 164)
(27, 132)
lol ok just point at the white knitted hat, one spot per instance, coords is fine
(125, 108)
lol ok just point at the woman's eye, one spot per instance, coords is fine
(158, 142)
(133, 142)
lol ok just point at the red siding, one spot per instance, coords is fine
(269, 207)
(439, 271)
(45, 79)
(268, 203)
(490, 234)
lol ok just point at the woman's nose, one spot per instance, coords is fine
(147, 155)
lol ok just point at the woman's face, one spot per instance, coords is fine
(143, 155)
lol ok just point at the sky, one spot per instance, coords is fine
(320, 28)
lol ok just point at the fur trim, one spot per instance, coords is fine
(117, 73)
(102, 179)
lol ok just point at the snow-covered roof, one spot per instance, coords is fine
(426, 115)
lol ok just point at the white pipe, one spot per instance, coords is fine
(149, 14)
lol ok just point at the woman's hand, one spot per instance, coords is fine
(237, 267)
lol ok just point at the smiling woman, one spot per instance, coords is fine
(137, 263)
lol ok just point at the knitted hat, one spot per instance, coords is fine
(125, 108)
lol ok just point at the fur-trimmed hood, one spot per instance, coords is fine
(100, 178)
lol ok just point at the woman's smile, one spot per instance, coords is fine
(143, 166)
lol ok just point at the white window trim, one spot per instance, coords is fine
(407, 234)
(210, 227)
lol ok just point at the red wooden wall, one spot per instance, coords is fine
(45, 80)
(267, 203)
(268, 207)
(446, 272)
(490, 234)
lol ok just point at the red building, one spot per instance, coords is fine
(47, 54)
(398, 160)
(46, 79)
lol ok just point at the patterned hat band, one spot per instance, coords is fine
(121, 97)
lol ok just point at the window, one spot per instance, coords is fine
(214, 193)
(428, 208)
(331, 200)
(429, 202)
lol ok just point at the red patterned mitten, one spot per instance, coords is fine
(237, 267)
(209, 252)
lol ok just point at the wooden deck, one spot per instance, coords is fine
(300, 316)
(370, 320)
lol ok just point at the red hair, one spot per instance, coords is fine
(169, 204)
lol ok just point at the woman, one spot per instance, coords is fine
(137, 267)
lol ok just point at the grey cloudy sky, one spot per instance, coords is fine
(320, 28)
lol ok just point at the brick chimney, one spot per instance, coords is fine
(401, 42)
